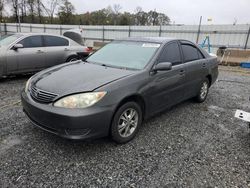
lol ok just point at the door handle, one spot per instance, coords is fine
(66, 49)
(203, 64)
(182, 72)
(40, 51)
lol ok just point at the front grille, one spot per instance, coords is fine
(42, 96)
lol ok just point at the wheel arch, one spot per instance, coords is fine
(131, 98)
(71, 56)
(209, 77)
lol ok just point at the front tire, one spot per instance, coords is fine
(126, 122)
(203, 92)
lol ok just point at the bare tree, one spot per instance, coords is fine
(31, 4)
(66, 11)
(235, 21)
(18, 8)
(14, 7)
(1, 9)
(39, 9)
(138, 12)
(138, 9)
(116, 8)
(153, 17)
(141, 17)
(22, 9)
(51, 7)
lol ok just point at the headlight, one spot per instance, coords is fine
(27, 85)
(82, 100)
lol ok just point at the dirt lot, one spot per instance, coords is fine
(190, 145)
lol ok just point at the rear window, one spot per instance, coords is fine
(55, 41)
(191, 53)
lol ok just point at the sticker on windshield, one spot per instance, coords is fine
(150, 45)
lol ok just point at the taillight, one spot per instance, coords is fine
(89, 49)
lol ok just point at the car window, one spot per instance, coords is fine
(125, 54)
(55, 41)
(201, 56)
(32, 42)
(8, 39)
(171, 53)
(191, 53)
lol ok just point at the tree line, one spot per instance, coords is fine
(63, 12)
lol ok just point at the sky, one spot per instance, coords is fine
(180, 11)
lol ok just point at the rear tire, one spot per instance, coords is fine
(126, 122)
(203, 92)
(72, 58)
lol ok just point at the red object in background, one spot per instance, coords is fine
(89, 49)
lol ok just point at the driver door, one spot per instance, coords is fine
(168, 86)
(29, 58)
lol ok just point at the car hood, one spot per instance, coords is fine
(2, 52)
(77, 77)
(3, 48)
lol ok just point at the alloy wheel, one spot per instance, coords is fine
(204, 90)
(128, 122)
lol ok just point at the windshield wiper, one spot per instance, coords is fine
(104, 65)
(86, 61)
(112, 66)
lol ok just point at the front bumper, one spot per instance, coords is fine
(92, 122)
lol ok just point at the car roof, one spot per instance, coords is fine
(30, 34)
(148, 39)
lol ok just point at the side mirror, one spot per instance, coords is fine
(17, 46)
(164, 66)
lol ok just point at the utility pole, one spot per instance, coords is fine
(247, 39)
(199, 30)
(0, 28)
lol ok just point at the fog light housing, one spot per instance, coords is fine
(77, 132)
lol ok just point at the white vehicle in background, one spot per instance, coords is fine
(31, 52)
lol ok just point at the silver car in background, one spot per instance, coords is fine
(29, 52)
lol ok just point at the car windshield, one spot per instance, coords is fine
(125, 54)
(7, 40)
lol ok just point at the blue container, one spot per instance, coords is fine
(245, 64)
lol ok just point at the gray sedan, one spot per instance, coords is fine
(27, 52)
(112, 92)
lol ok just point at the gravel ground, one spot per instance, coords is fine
(190, 145)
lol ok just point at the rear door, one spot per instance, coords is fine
(196, 68)
(29, 58)
(168, 85)
(57, 49)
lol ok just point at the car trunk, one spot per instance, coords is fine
(75, 35)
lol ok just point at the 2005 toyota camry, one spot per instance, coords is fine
(119, 86)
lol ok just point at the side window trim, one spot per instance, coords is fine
(181, 52)
(200, 52)
(67, 40)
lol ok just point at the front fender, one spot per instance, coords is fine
(2, 65)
